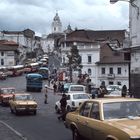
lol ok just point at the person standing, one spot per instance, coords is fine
(46, 96)
(63, 104)
(124, 91)
(54, 87)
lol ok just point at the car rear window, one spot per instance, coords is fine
(80, 96)
(74, 88)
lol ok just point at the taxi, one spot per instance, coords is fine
(106, 119)
(23, 103)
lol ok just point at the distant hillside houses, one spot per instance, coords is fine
(29, 45)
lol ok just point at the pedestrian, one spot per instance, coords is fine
(46, 96)
(102, 91)
(124, 91)
(63, 104)
(62, 88)
(54, 87)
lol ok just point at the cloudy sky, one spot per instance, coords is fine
(17, 15)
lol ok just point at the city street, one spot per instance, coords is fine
(44, 125)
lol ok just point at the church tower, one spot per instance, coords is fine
(56, 24)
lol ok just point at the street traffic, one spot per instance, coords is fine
(43, 125)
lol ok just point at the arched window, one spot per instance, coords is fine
(89, 71)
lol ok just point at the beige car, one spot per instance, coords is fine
(106, 119)
(22, 103)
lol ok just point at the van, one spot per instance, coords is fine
(77, 88)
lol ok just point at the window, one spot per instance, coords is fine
(111, 70)
(119, 70)
(103, 70)
(95, 111)
(2, 53)
(89, 59)
(86, 109)
(89, 71)
(2, 61)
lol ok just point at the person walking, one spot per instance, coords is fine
(63, 104)
(124, 91)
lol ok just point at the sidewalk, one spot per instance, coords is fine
(8, 133)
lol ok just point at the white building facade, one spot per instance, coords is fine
(134, 18)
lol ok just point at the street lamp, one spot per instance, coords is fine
(131, 2)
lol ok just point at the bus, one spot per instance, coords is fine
(15, 70)
(32, 67)
(34, 82)
(44, 71)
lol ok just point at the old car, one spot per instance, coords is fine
(73, 101)
(76, 88)
(3, 75)
(23, 102)
(6, 94)
(106, 119)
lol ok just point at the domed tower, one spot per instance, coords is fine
(56, 24)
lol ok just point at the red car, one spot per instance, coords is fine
(6, 94)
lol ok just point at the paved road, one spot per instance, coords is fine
(43, 126)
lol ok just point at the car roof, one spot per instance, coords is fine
(34, 75)
(72, 93)
(7, 88)
(109, 100)
(22, 94)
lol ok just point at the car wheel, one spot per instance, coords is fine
(68, 108)
(2, 103)
(76, 135)
(11, 109)
(16, 112)
(57, 109)
(34, 112)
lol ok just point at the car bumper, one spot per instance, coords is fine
(25, 109)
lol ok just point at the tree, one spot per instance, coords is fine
(74, 60)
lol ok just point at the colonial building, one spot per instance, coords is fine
(26, 40)
(8, 53)
(134, 20)
(113, 68)
(88, 43)
(50, 41)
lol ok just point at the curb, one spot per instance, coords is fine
(13, 130)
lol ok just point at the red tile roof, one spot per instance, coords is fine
(6, 45)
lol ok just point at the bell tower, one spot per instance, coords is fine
(56, 24)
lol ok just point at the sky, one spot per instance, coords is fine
(37, 15)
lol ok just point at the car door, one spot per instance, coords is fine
(83, 119)
(95, 122)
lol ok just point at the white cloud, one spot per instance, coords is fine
(38, 14)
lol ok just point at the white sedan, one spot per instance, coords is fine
(73, 101)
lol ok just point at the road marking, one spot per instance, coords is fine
(15, 131)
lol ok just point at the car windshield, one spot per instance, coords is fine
(80, 96)
(8, 91)
(126, 109)
(23, 97)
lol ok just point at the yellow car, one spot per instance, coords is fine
(22, 103)
(106, 119)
